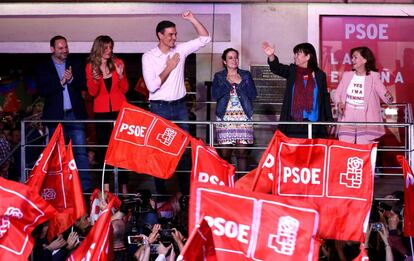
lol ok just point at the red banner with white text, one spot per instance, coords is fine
(336, 176)
(254, 226)
(146, 143)
(208, 167)
(391, 40)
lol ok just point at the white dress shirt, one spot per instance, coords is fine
(154, 62)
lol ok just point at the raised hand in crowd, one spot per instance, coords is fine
(56, 244)
(72, 241)
(383, 232)
(163, 250)
(144, 251)
(154, 234)
(178, 238)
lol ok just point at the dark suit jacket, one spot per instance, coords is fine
(52, 91)
(325, 112)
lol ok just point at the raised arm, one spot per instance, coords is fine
(201, 30)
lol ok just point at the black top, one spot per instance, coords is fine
(324, 101)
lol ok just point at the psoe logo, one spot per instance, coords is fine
(13, 212)
(4, 225)
(284, 241)
(48, 194)
(352, 178)
(167, 137)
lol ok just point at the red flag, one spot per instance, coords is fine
(49, 168)
(75, 203)
(58, 183)
(254, 226)
(246, 182)
(95, 201)
(96, 245)
(21, 210)
(336, 176)
(208, 167)
(200, 244)
(146, 143)
(408, 197)
(263, 180)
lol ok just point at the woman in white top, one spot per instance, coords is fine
(358, 99)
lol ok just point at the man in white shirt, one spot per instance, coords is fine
(163, 71)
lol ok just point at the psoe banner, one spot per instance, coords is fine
(336, 176)
(254, 226)
(390, 38)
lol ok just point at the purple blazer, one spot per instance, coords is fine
(374, 90)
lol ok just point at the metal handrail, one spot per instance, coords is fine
(407, 148)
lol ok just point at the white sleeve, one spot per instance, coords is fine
(152, 80)
(193, 45)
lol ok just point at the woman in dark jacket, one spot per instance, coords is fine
(234, 91)
(306, 96)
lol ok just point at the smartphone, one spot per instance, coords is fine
(135, 240)
(377, 227)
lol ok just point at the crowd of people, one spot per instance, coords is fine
(145, 229)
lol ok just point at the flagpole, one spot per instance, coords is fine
(411, 243)
(103, 177)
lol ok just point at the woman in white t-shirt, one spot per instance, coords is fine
(358, 99)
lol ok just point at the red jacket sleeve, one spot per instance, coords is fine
(92, 84)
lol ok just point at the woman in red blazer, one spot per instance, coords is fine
(107, 84)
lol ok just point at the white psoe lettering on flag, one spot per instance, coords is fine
(213, 179)
(284, 241)
(138, 131)
(5, 222)
(353, 176)
(304, 175)
(230, 229)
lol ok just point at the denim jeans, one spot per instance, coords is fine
(76, 132)
(174, 111)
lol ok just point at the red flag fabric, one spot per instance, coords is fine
(336, 176)
(95, 201)
(96, 245)
(200, 244)
(49, 168)
(21, 210)
(264, 184)
(208, 167)
(146, 143)
(264, 176)
(75, 202)
(408, 196)
(58, 183)
(255, 226)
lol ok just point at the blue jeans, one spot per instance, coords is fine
(76, 132)
(174, 111)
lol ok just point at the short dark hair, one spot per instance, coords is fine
(55, 38)
(224, 55)
(368, 55)
(308, 49)
(162, 25)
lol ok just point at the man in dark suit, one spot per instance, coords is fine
(61, 80)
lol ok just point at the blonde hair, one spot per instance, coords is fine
(95, 56)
